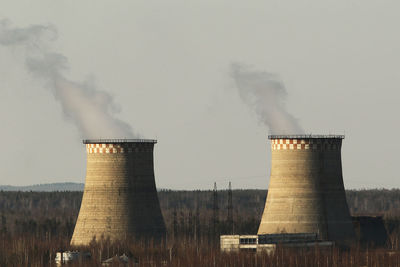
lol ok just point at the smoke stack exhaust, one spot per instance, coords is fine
(120, 198)
(266, 94)
(306, 192)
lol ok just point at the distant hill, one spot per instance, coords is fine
(45, 187)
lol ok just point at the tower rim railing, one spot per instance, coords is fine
(306, 136)
(117, 141)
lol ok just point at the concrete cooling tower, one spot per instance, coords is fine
(120, 198)
(306, 192)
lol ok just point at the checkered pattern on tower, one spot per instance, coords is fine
(117, 148)
(305, 144)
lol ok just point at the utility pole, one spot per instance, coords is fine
(230, 210)
(215, 211)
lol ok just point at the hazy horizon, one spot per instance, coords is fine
(219, 188)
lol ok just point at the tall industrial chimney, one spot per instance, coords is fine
(120, 198)
(306, 192)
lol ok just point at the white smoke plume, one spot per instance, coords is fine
(91, 110)
(266, 94)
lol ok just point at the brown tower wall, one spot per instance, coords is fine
(306, 192)
(120, 198)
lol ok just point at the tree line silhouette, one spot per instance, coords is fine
(44, 221)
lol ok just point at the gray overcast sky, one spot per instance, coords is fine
(167, 64)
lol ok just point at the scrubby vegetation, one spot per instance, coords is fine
(33, 226)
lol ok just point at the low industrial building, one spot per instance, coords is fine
(268, 242)
(370, 230)
(64, 257)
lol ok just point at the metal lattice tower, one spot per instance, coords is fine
(230, 210)
(215, 210)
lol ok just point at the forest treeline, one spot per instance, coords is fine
(35, 225)
(185, 212)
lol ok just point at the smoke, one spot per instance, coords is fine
(266, 94)
(91, 110)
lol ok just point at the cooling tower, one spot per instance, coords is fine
(306, 192)
(120, 198)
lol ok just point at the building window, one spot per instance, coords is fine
(248, 241)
